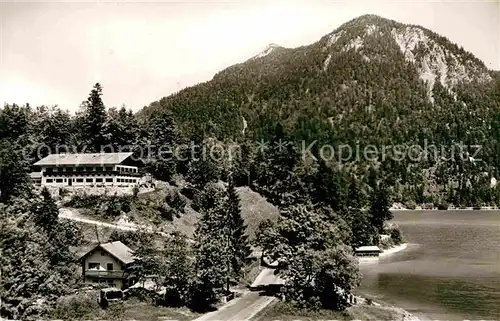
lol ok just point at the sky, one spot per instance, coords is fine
(53, 52)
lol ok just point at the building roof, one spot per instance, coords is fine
(368, 249)
(117, 249)
(83, 159)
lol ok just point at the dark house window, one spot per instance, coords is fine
(93, 266)
(98, 180)
(79, 180)
(89, 180)
(109, 180)
(109, 168)
(109, 266)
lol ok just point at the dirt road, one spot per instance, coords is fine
(71, 215)
(243, 308)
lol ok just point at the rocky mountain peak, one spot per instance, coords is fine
(270, 48)
(435, 58)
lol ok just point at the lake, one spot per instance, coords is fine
(450, 270)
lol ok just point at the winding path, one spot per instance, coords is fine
(67, 213)
(244, 307)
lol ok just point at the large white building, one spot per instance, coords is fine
(89, 170)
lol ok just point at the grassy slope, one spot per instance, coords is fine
(254, 208)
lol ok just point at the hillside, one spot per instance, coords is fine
(372, 81)
(144, 212)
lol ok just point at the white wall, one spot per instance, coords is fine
(103, 260)
(123, 180)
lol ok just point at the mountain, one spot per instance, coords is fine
(272, 47)
(372, 81)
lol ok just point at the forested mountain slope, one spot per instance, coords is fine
(372, 81)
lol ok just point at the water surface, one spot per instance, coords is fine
(450, 271)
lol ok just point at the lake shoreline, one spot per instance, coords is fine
(387, 252)
(402, 313)
(396, 207)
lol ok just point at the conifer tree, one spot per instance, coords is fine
(46, 212)
(94, 120)
(238, 239)
(178, 270)
(212, 258)
(380, 203)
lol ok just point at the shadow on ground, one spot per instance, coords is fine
(267, 289)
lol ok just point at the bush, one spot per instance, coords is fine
(410, 205)
(167, 212)
(189, 192)
(396, 236)
(63, 192)
(102, 205)
(442, 206)
(176, 201)
(75, 307)
(83, 201)
(207, 198)
(386, 243)
(135, 191)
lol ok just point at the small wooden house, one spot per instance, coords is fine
(106, 263)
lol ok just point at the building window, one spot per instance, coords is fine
(59, 180)
(79, 180)
(98, 169)
(109, 266)
(49, 170)
(98, 180)
(89, 180)
(69, 169)
(89, 169)
(103, 253)
(49, 180)
(109, 168)
(109, 180)
(93, 266)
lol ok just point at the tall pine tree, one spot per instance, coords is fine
(212, 259)
(380, 203)
(239, 245)
(93, 121)
(46, 212)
